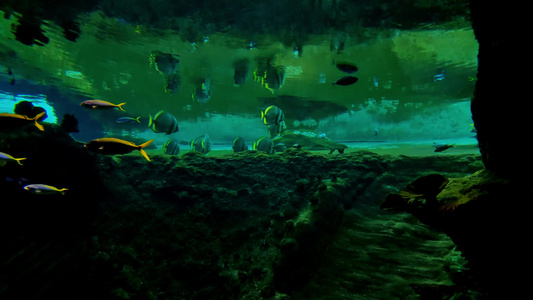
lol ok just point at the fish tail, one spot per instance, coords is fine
(453, 146)
(37, 117)
(137, 119)
(62, 191)
(19, 159)
(120, 106)
(144, 152)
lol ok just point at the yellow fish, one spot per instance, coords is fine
(43, 189)
(12, 121)
(112, 146)
(4, 158)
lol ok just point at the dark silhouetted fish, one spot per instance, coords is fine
(347, 67)
(346, 80)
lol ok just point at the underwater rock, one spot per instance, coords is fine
(474, 211)
(308, 141)
(426, 188)
(69, 123)
(26, 108)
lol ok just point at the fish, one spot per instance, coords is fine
(241, 71)
(272, 115)
(116, 146)
(264, 144)
(270, 76)
(202, 93)
(275, 130)
(171, 147)
(201, 144)
(43, 189)
(440, 76)
(101, 104)
(239, 145)
(164, 63)
(347, 67)
(346, 80)
(280, 147)
(125, 120)
(12, 121)
(172, 83)
(274, 78)
(442, 147)
(163, 122)
(4, 158)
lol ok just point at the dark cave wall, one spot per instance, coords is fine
(500, 105)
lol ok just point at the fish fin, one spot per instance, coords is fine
(2, 163)
(146, 143)
(150, 121)
(120, 106)
(144, 154)
(19, 159)
(37, 117)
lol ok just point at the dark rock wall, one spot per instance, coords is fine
(500, 108)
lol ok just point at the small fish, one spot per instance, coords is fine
(239, 145)
(264, 144)
(12, 121)
(442, 147)
(280, 147)
(202, 93)
(376, 131)
(101, 104)
(43, 189)
(4, 158)
(272, 115)
(171, 147)
(440, 76)
(201, 144)
(346, 80)
(116, 146)
(241, 71)
(347, 67)
(125, 120)
(163, 122)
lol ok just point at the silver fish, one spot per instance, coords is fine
(201, 144)
(264, 144)
(239, 145)
(171, 147)
(163, 122)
